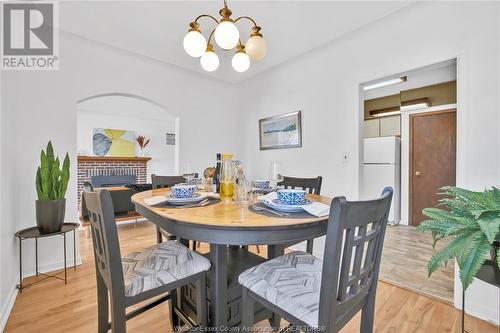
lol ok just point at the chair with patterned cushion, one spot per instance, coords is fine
(165, 182)
(312, 186)
(323, 295)
(155, 272)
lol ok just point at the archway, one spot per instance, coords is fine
(135, 113)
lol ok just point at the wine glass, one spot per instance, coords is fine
(188, 173)
(274, 174)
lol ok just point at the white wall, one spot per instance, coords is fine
(324, 84)
(42, 105)
(163, 156)
(8, 254)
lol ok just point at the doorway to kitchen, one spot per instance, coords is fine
(409, 143)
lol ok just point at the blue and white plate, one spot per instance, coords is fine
(278, 202)
(197, 197)
(262, 190)
(280, 206)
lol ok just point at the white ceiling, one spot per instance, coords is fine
(156, 28)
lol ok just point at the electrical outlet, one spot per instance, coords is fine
(345, 157)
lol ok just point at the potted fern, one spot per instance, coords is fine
(51, 185)
(470, 222)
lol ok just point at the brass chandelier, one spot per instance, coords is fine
(227, 37)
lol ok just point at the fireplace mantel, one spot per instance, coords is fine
(82, 158)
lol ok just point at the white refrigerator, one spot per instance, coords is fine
(382, 168)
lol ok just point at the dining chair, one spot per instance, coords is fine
(312, 186)
(323, 295)
(153, 273)
(87, 186)
(164, 182)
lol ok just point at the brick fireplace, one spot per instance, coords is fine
(104, 171)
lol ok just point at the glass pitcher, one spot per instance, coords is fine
(227, 173)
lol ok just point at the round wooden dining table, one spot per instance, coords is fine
(228, 227)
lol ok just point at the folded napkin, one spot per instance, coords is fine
(316, 208)
(155, 200)
(209, 194)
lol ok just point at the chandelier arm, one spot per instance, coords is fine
(206, 15)
(210, 37)
(248, 18)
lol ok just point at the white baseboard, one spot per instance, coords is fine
(482, 312)
(7, 306)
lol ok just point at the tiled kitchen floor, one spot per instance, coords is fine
(404, 263)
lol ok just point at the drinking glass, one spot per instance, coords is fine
(188, 173)
(241, 193)
(274, 174)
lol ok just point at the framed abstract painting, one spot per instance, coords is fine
(113, 142)
(283, 131)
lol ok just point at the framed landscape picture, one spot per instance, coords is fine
(283, 131)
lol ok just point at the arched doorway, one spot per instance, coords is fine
(140, 116)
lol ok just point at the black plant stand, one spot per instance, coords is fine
(488, 273)
(33, 232)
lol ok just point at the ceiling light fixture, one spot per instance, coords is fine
(384, 83)
(415, 104)
(227, 37)
(385, 112)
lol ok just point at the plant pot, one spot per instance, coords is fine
(50, 215)
(493, 252)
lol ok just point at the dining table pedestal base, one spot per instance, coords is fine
(231, 261)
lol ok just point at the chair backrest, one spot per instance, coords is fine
(88, 187)
(166, 181)
(105, 239)
(351, 261)
(311, 185)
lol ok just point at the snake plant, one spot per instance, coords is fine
(470, 222)
(51, 179)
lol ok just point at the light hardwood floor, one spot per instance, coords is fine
(51, 306)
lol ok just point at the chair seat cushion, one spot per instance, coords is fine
(292, 282)
(159, 265)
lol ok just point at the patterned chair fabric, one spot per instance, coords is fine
(159, 265)
(292, 282)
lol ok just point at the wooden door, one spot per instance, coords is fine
(432, 159)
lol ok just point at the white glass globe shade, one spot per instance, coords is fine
(256, 48)
(240, 62)
(227, 35)
(209, 61)
(195, 44)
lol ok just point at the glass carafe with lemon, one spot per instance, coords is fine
(227, 174)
